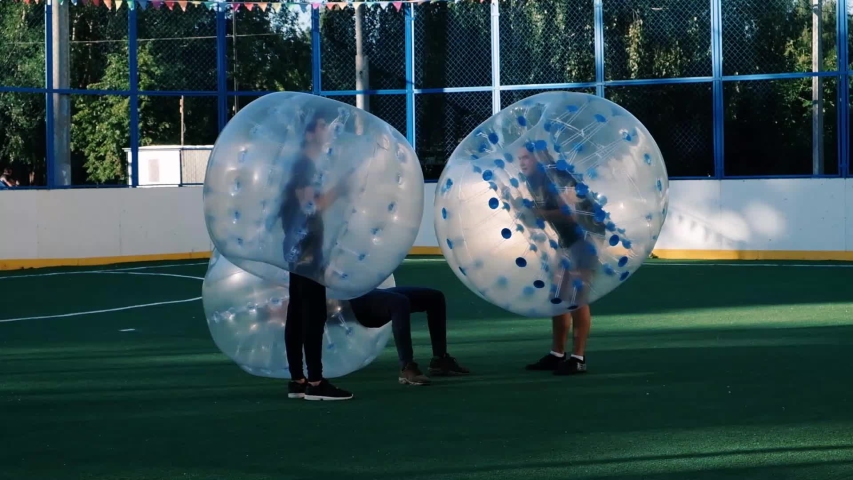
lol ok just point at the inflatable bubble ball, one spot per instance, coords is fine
(551, 203)
(246, 315)
(316, 187)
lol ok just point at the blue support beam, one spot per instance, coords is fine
(50, 153)
(843, 87)
(717, 87)
(134, 93)
(316, 58)
(410, 73)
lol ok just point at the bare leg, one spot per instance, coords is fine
(581, 322)
(560, 327)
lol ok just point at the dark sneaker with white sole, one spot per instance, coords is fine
(296, 389)
(548, 362)
(446, 365)
(412, 375)
(571, 366)
(326, 391)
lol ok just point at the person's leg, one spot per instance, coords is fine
(570, 289)
(576, 362)
(293, 339)
(560, 327)
(433, 303)
(376, 309)
(313, 328)
(581, 325)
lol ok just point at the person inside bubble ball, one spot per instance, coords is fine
(301, 209)
(557, 201)
(380, 306)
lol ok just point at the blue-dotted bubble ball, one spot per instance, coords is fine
(551, 203)
(246, 315)
(316, 187)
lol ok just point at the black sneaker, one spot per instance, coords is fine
(296, 389)
(446, 365)
(571, 366)
(326, 391)
(548, 362)
(412, 375)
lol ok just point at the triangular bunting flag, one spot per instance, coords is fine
(27, 2)
(170, 4)
(398, 5)
(276, 7)
(119, 3)
(183, 4)
(383, 5)
(263, 6)
(315, 6)
(142, 4)
(96, 3)
(249, 6)
(108, 4)
(303, 7)
(155, 4)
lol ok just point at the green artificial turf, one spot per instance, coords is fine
(696, 372)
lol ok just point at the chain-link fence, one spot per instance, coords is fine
(727, 88)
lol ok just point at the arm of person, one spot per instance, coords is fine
(324, 200)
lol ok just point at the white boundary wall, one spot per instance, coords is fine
(728, 215)
(86, 223)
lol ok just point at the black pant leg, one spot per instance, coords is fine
(314, 324)
(433, 303)
(293, 328)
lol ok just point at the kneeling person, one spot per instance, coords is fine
(396, 305)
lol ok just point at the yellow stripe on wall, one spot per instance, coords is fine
(810, 255)
(93, 261)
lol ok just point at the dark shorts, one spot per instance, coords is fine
(582, 254)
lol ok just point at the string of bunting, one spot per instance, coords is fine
(262, 6)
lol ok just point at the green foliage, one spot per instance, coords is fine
(101, 123)
(22, 115)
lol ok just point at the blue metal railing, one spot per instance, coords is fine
(600, 84)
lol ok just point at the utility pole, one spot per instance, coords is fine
(61, 47)
(362, 65)
(817, 89)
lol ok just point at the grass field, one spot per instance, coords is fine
(697, 371)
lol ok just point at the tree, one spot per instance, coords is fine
(101, 122)
(22, 115)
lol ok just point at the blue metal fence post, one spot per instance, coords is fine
(50, 157)
(496, 57)
(133, 71)
(599, 47)
(717, 87)
(316, 57)
(843, 87)
(410, 73)
(221, 65)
